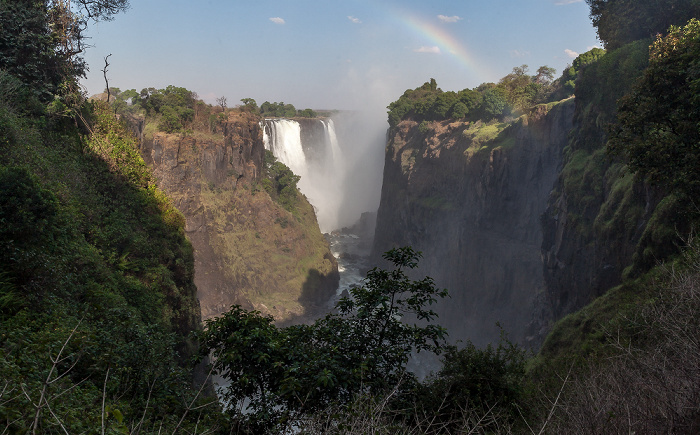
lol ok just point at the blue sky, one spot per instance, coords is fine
(349, 54)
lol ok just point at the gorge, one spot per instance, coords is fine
(153, 242)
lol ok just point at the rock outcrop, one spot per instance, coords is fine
(470, 197)
(248, 249)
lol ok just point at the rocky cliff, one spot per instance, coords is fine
(470, 197)
(603, 223)
(248, 249)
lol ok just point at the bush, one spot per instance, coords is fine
(283, 375)
(474, 381)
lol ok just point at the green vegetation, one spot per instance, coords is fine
(97, 301)
(96, 293)
(285, 374)
(625, 361)
(569, 75)
(620, 22)
(490, 381)
(513, 93)
(657, 122)
(280, 182)
(612, 353)
(171, 109)
(282, 110)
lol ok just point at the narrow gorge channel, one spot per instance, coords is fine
(312, 150)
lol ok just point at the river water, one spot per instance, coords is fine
(351, 249)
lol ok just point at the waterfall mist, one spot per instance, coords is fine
(362, 136)
(339, 160)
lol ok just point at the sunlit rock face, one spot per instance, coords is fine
(248, 250)
(470, 197)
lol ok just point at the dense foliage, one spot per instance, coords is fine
(488, 381)
(96, 291)
(28, 49)
(172, 109)
(513, 93)
(657, 128)
(280, 182)
(282, 110)
(42, 41)
(620, 22)
(282, 375)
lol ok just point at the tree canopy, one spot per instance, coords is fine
(657, 128)
(42, 41)
(282, 374)
(515, 92)
(282, 110)
(622, 21)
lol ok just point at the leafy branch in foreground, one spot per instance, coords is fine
(278, 375)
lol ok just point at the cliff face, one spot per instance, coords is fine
(248, 249)
(470, 197)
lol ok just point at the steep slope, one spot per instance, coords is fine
(97, 300)
(470, 196)
(249, 250)
(602, 222)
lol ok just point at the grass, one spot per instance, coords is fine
(485, 137)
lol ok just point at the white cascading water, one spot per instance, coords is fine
(284, 140)
(321, 181)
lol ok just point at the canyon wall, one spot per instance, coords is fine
(248, 249)
(470, 196)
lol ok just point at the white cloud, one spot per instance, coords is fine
(434, 49)
(277, 20)
(566, 2)
(446, 19)
(354, 19)
(571, 53)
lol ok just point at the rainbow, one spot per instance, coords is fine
(445, 41)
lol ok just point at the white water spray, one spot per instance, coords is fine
(322, 177)
(284, 140)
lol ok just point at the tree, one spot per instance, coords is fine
(486, 381)
(28, 48)
(657, 126)
(494, 104)
(545, 75)
(622, 21)
(286, 373)
(249, 104)
(221, 102)
(102, 10)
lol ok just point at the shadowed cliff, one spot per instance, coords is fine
(469, 195)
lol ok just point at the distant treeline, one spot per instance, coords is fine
(179, 110)
(279, 110)
(512, 94)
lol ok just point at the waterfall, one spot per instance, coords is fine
(335, 149)
(322, 174)
(284, 140)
